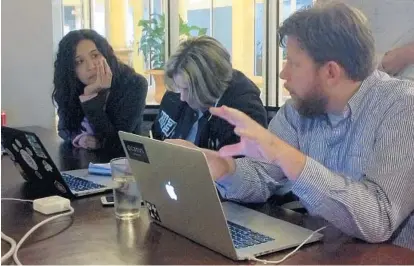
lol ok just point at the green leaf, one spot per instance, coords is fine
(152, 41)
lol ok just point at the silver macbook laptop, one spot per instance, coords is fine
(35, 165)
(180, 195)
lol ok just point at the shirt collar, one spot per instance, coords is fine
(354, 105)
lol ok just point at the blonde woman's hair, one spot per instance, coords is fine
(359, 14)
(206, 66)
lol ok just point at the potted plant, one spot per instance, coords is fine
(152, 46)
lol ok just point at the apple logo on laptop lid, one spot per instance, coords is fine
(171, 191)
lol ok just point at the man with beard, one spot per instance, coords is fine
(344, 143)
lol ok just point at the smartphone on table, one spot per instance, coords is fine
(107, 200)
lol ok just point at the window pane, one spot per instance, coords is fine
(72, 15)
(150, 42)
(222, 23)
(135, 29)
(237, 24)
(258, 36)
(98, 14)
(288, 7)
(195, 13)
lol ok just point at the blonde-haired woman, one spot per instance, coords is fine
(200, 75)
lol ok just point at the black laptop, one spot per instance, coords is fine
(35, 165)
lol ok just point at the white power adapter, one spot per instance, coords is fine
(48, 205)
(52, 204)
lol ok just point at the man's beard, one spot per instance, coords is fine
(313, 105)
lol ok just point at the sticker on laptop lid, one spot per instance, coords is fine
(36, 146)
(38, 175)
(29, 160)
(153, 212)
(47, 166)
(136, 151)
(29, 151)
(11, 155)
(18, 143)
(60, 187)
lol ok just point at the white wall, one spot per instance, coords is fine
(27, 53)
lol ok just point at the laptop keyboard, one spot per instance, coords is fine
(244, 237)
(79, 184)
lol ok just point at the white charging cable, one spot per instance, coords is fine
(9, 239)
(13, 199)
(12, 248)
(15, 247)
(289, 254)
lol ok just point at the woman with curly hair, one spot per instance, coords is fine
(96, 94)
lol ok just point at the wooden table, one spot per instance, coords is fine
(94, 236)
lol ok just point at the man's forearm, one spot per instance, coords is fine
(252, 181)
(369, 209)
(289, 159)
(219, 167)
